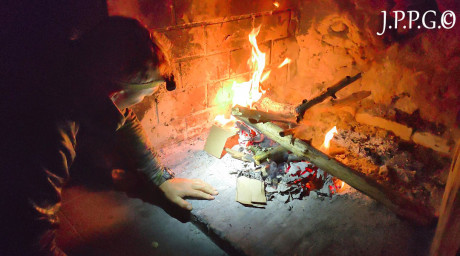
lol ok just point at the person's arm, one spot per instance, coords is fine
(131, 138)
(135, 147)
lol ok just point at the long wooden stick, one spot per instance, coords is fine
(446, 240)
(330, 92)
(256, 116)
(396, 202)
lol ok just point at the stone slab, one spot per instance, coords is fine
(346, 224)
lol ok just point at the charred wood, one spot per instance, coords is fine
(287, 132)
(392, 199)
(330, 92)
(256, 116)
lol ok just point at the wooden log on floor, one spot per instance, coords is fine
(394, 201)
(446, 241)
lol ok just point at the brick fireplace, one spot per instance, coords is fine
(410, 77)
(209, 47)
(407, 71)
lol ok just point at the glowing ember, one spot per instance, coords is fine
(285, 62)
(339, 185)
(247, 93)
(276, 4)
(328, 138)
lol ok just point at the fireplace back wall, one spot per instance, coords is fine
(415, 72)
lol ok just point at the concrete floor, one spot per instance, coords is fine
(103, 221)
(97, 220)
(348, 223)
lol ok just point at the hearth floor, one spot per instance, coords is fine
(106, 222)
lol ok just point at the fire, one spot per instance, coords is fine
(276, 4)
(265, 76)
(222, 121)
(339, 185)
(285, 62)
(247, 93)
(257, 63)
(328, 138)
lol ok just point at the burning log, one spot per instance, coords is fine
(394, 201)
(255, 116)
(330, 92)
(353, 98)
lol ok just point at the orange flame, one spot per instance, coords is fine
(222, 121)
(285, 62)
(339, 184)
(276, 4)
(328, 138)
(265, 76)
(257, 62)
(247, 93)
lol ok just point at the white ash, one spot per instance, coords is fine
(376, 149)
(386, 151)
(287, 177)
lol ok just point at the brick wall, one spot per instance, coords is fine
(208, 43)
(326, 41)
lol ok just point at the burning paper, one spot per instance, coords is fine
(217, 139)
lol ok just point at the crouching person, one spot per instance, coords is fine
(113, 67)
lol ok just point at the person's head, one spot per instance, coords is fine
(123, 60)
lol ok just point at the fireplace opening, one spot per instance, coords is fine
(323, 96)
(328, 126)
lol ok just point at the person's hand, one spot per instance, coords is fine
(176, 189)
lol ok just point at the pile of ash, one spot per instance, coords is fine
(286, 176)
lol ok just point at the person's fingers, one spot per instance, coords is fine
(199, 194)
(205, 187)
(182, 203)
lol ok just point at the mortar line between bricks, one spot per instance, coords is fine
(198, 56)
(233, 18)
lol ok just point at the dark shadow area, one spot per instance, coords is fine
(133, 185)
(225, 245)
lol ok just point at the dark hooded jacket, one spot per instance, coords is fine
(44, 130)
